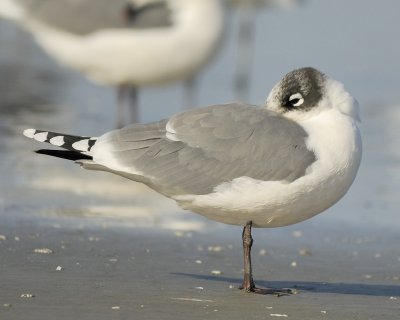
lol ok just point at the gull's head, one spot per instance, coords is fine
(306, 92)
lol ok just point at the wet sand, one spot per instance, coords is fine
(123, 273)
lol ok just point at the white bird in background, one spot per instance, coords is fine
(125, 43)
(246, 10)
(238, 164)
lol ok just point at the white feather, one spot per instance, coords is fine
(171, 133)
(103, 152)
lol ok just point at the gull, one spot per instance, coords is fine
(239, 164)
(126, 44)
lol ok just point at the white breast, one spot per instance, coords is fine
(335, 139)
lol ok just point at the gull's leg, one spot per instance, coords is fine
(125, 92)
(121, 90)
(245, 53)
(134, 104)
(190, 92)
(248, 282)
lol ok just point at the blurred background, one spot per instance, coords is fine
(355, 42)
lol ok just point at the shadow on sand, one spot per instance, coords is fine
(377, 290)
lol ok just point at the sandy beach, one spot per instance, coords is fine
(123, 273)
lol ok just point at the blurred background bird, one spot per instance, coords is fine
(125, 44)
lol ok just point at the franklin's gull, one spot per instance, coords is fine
(238, 164)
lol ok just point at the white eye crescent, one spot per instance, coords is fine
(296, 99)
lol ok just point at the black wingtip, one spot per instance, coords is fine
(64, 154)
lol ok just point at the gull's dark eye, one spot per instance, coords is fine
(295, 100)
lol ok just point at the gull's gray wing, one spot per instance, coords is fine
(87, 16)
(195, 151)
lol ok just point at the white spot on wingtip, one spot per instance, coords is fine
(41, 137)
(82, 145)
(29, 133)
(57, 141)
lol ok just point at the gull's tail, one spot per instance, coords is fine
(77, 147)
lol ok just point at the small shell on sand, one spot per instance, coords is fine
(216, 272)
(43, 251)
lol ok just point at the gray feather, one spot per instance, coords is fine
(216, 144)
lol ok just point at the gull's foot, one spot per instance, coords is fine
(270, 291)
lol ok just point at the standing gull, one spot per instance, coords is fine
(236, 163)
(124, 43)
